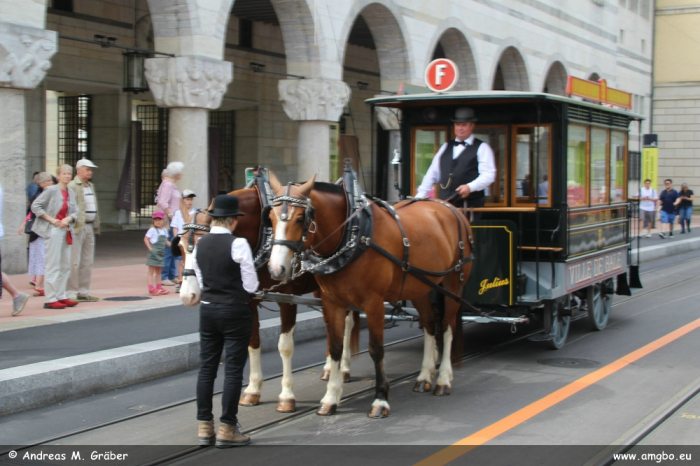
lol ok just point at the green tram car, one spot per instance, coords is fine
(555, 237)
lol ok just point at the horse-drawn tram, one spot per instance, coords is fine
(554, 239)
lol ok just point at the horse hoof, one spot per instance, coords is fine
(378, 412)
(441, 390)
(327, 410)
(326, 375)
(249, 399)
(286, 406)
(422, 386)
(346, 377)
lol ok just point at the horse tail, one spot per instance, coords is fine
(439, 316)
(355, 335)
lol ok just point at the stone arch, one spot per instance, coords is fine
(512, 68)
(190, 27)
(458, 49)
(298, 31)
(555, 79)
(390, 37)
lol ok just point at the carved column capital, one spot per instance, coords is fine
(388, 118)
(313, 99)
(25, 55)
(192, 82)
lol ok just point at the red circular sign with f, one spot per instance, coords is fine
(441, 75)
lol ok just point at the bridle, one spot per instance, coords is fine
(309, 224)
(192, 228)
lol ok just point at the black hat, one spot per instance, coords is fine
(225, 205)
(464, 115)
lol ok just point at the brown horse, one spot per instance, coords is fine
(435, 234)
(249, 227)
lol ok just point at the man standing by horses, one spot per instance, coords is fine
(463, 167)
(226, 275)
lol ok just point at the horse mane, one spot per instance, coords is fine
(329, 187)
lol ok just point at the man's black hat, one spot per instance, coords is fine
(225, 205)
(464, 115)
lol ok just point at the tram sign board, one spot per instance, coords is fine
(598, 91)
(441, 75)
(584, 272)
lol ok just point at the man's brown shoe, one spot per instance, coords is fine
(231, 436)
(206, 433)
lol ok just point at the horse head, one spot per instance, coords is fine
(291, 216)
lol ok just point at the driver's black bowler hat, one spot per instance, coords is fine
(464, 115)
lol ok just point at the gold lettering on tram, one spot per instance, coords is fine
(485, 285)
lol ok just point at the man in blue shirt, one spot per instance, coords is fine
(667, 201)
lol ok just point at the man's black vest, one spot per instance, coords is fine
(462, 170)
(221, 275)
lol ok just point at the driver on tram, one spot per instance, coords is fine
(467, 170)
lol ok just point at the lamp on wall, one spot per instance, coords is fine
(134, 68)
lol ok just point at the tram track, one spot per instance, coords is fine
(195, 450)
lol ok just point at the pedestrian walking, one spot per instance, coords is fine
(667, 206)
(685, 207)
(224, 268)
(19, 300)
(647, 206)
(156, 241)
(87, 225)
(169, 203)
(56, 211)
(37, 253)
(178, 221)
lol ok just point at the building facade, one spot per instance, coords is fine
(283, 82)
(676, 116)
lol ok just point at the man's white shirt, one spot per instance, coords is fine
(486, 166)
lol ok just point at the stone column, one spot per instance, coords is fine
(190, 87)
(315, 104)
(25, 54)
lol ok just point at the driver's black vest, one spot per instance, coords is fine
(221, 275)
(462, 170)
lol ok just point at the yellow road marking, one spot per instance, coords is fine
(488, 433)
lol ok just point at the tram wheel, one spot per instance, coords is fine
(556, 324)
(599, 305)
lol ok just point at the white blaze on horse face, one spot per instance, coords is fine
(286, 349)
(190, 294)
(280, 264)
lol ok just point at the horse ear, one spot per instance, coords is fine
(274, 183)
(211, 206)
(305, 189)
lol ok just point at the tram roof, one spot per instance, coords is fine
(476, 97)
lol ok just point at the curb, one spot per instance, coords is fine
(670, 247)
(49, 382)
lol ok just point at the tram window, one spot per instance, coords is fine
(576, 168)
(495, 136)
(425, 144)
(618, 156)
(599, 166)
(531, 170)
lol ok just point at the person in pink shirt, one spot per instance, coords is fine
(168, 202)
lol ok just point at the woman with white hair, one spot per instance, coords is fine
(168, 202)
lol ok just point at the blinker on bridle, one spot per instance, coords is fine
(191, 228)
